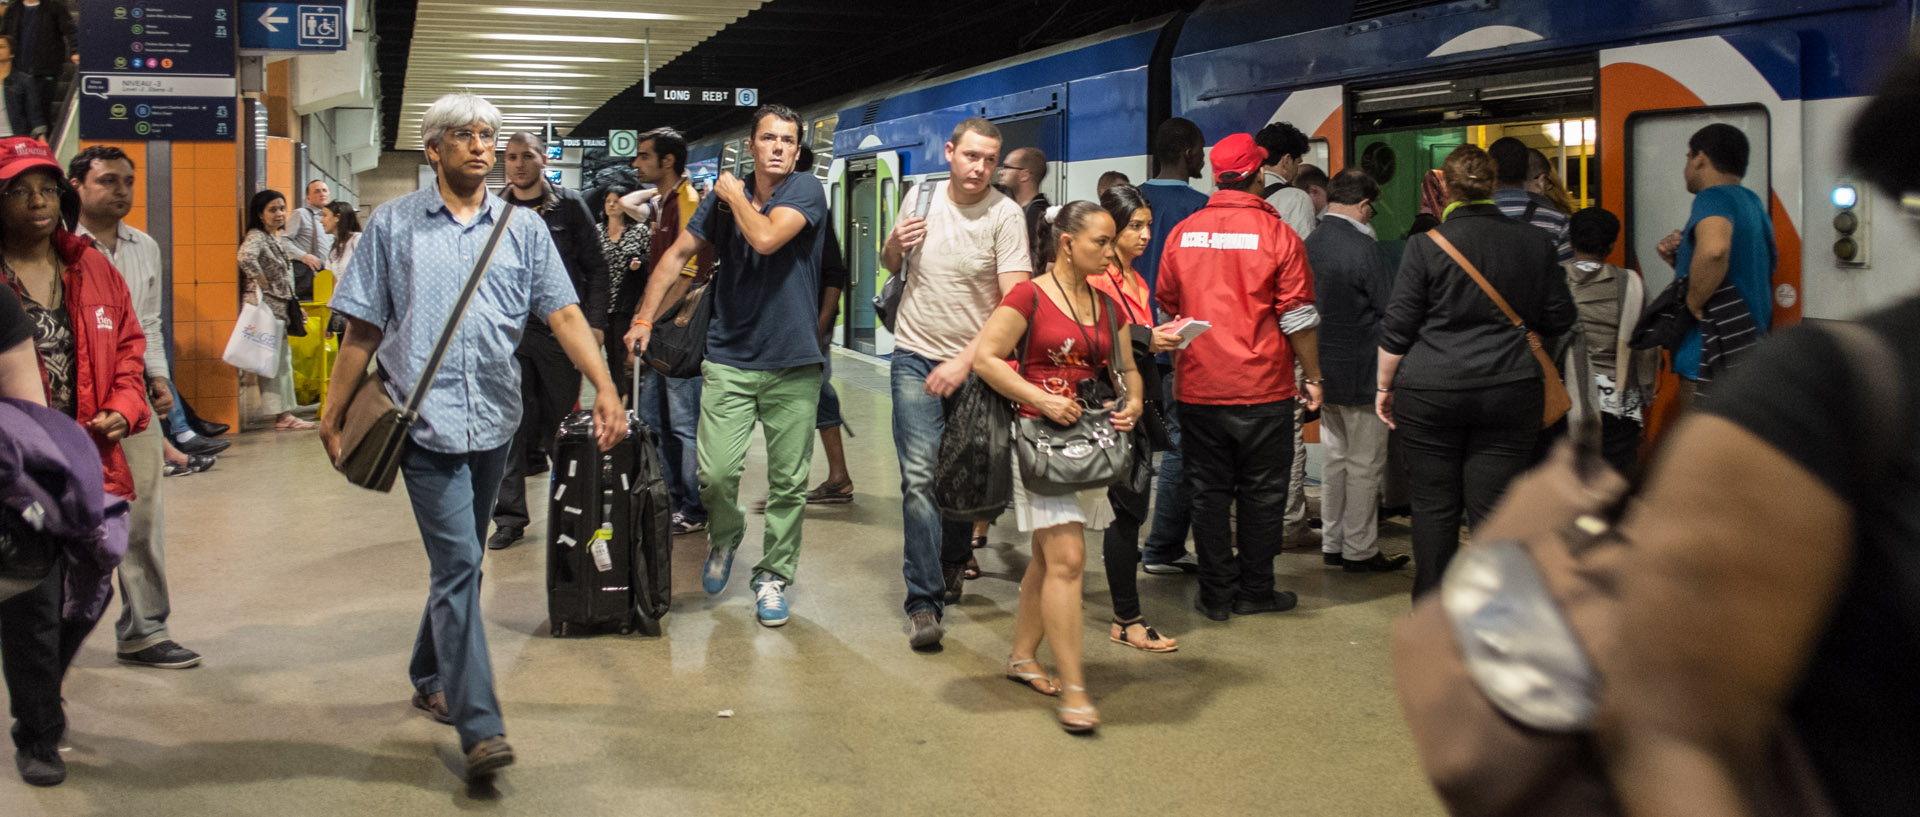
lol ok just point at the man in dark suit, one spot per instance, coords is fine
(1351, 285)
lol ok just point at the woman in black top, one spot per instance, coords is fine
(1456, 377)
(623, 240)
(19, 364)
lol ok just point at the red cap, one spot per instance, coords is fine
(1236, 157)
(19, 154)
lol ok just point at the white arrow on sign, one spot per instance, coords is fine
(268, 19)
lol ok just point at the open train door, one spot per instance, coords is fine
(1652, 98)
(870, 184)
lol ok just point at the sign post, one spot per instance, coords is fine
(158, 69)
(623, 144)
(688, 95)
(319, 25)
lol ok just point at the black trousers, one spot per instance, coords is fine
(617, 354)
(549, 386)
(36, 647)
(1120, 551)
(1620, 440)
(1237, 458)
(1463, 448)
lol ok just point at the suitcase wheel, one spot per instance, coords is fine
(559, 630)
(626, 629)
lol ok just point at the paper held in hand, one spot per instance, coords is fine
(1187, 329)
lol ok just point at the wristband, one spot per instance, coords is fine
(641, 322)
(1383, 391)
(1311, 381)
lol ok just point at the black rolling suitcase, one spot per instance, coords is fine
(609, 532)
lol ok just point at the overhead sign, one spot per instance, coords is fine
(687, 95)
(623, 143)
(158, 69)
(583, 143)
(316, 26)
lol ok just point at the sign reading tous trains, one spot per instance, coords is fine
(685, 95)
(158, 69)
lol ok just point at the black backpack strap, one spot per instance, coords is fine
(1527, 217)
(1272, 189)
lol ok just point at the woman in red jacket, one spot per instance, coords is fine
(91, 355)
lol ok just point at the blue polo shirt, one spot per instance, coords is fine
(765, 307)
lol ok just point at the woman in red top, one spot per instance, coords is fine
(1068, 340)
(1120, 547)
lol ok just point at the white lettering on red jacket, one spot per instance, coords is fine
(1221, 241)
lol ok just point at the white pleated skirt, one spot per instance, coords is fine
(1034, 512)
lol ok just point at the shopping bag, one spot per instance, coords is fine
(254, 345)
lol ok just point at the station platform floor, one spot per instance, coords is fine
(304, 594)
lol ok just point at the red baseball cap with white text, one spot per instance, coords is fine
(1236, 157)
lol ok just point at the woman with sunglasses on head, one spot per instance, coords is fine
(268, 274)
(1121, 544)
(91, 357)
(1063, 326)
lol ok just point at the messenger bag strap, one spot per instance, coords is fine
(459, 310)
(1474, 273)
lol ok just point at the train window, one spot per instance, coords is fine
(1317, 155)
(746, 158)
(729, 158)
(820, 138)
(1657, 198)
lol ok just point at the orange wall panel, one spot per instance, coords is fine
(214, 225)
(218, 264)
(214, 187)
(186, 308)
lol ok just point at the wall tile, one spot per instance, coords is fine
(185, 270)
(216, 187)
(217, 379)
(220, 410)
(217, 264)
(215, 225)
(186, 309)
(217, 302)
(209, 340)
(216, 155)
(186, 378)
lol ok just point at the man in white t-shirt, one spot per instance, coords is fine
(959, 261)
(1286, 147)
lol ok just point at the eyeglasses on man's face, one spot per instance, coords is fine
(20, 192)
(466, 136)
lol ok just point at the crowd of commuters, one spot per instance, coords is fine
(1304, 314)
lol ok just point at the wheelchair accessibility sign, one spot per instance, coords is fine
(322, 27)
(293, 26)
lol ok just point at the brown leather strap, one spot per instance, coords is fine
(1474, 273)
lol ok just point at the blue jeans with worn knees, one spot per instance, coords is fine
(918, 421)
(828, 414)
(1173, 497)
(677, 430)
(452, 496)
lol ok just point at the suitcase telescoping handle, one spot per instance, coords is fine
(633, 357)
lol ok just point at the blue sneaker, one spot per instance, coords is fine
(770, 599)
(719, 569)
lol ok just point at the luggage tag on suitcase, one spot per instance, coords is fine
(602, 556)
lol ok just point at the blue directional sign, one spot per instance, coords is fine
(319, 26)
(158, 69)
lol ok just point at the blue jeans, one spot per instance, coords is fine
(452, 496)
(1173, 506)
(29, 99)
(918, 421)
(677, 432)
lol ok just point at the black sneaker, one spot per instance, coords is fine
(1182, 566)
(1378, 563)
(955, 574)
(1332, 559)
(204, 446)
(1278, 602)
(41, 767)
(164, 655)
(1210, 611)
(505, 537)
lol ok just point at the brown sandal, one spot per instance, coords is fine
(1152, 636)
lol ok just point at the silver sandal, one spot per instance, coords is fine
(1079, 727)
(1026, 679)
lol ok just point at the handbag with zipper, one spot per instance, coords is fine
(678, 345)
(1056, 460)
(373, 430)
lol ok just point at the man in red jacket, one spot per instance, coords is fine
(1237, 266)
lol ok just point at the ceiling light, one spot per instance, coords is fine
(528, 75)
(538, 66)
(547, 57)
(588, 13)
(512, 87)
(562, 38)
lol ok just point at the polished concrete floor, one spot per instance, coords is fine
(304, 594)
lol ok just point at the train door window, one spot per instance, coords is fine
(820, 138)
(1657, 198)
(1041, 132)
(1319, 155)
(729, 157)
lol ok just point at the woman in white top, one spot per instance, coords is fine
(342, 222)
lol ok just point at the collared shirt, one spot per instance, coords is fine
(406, 276)
(1357, 223)
(137, 256)
(1294, 205)
(306, 234)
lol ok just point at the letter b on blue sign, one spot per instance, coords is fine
(746, 97)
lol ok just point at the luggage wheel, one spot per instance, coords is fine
(559, 630)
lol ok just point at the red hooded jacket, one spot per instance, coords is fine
(109, 350)
(1237, 266)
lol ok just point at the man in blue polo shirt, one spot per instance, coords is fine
(1728, 240)
(763, 359)
(1179, 154)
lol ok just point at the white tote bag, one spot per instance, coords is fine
(254, 345)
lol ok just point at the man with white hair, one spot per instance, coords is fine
(405, 277)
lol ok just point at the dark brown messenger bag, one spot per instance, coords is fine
(373, 431)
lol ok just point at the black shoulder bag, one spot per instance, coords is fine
(374, 431)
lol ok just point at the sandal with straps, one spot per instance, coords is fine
(1152, 636)
(1026, 679)
(1087, 720)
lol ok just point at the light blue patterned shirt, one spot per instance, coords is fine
(406, 276)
